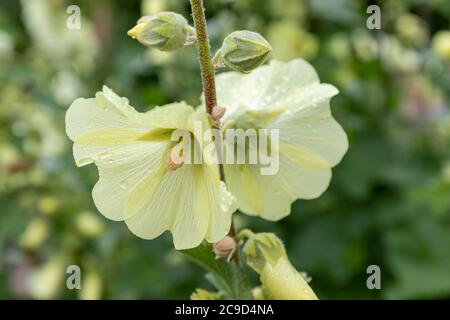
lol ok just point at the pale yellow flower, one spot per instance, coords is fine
(136, 183)
(290, 98)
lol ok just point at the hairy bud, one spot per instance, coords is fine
(225, 248)
(166, 31)
(218, 112)
(244, 51)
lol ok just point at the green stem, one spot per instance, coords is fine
(206, 65)
(208, 73)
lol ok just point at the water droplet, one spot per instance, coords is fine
(104, 155)
(123, 184)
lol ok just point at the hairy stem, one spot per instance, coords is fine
(208, 73)
(206, 65)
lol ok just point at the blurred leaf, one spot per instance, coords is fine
(225, 276)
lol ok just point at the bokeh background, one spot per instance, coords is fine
(389, 200)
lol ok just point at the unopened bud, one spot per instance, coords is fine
(244, 50)
(265, 254)
(261, 249)
(166, 31)
(225, 248)
(218, 112)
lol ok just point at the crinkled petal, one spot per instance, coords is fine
(105, 111)
(267, 87)
(109, 120)
(271, 196)
(312, 132)
(120, 169)
(134, 183)
(191, 203)
(311, 141)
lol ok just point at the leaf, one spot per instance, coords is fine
(225, 276)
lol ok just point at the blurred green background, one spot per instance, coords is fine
(389, 200)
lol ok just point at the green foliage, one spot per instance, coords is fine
(228, 278)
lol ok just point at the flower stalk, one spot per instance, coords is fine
(204, 50)
(208, 80)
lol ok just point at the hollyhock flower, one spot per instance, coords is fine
(287, 97)
(138, 180)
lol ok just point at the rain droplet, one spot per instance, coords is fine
(104, 155)
(123, 184)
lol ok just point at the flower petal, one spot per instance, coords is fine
(120, 169)
(266, 87)
(311, 141)
(109, 120)
(190, 203)
(311, 131)
(270, 196)
(106, 110)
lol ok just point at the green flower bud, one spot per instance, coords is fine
(166, 31)
(263, 248)
(244, 51)
(283, 282)
(265, 254)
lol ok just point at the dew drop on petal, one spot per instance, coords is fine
(123, 184)
(104, 155)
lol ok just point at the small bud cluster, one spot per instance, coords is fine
(241, 51)
(166, 31)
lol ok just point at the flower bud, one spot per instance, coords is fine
(225, 248)
(262, 249)
(166, 31)
(265, 254)
(244, 50)
(218, 112)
